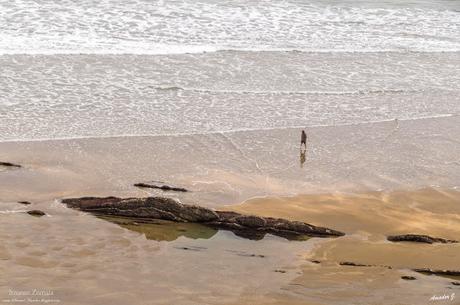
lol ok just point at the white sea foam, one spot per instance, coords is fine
(221, 66)
(189, 26)
(64, 96)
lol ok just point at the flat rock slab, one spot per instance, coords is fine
(419, 239)
(247, 226)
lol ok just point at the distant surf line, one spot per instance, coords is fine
(280, 92)
(185, 50)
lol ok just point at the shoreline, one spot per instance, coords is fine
(440, 116)
(229, 168)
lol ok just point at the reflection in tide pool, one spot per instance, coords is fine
(164, 230)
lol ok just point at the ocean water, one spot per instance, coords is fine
(105, 68)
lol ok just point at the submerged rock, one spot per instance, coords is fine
(24, 202)
(419, 239)
(36, 213)
(161, 187)
(247, 226)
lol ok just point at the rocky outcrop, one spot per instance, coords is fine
(161, 187)
(8, 164)
(419, 239)
(248, 226)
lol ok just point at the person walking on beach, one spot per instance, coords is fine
(303, 140)
(303, 148)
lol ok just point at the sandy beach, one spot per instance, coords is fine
(366, 180)
(240, 152)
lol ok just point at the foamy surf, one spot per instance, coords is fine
(173, 27)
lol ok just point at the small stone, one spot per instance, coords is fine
(280, 271)
(352, 264)
(24, 202)
(455, 283)
(36, 213)
(408, 278)
(8, 164)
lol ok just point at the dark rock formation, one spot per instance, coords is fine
(455, 283)
(161, 187)
(247, 226)
(24, 202)
(36, 213)
(408, 278)
(8, 164)
(419, 239)
(438, 272)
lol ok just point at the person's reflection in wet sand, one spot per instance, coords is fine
(303, 156)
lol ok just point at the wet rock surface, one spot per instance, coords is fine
(246, 226)
(419, 239)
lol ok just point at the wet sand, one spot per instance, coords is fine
(368, 180)
(367, 219)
